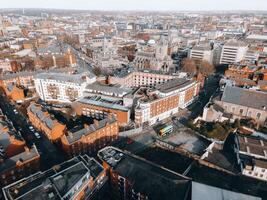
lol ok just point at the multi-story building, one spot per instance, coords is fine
(166, 100)
(62, 87)
(76, 179)
(132, 177)
(9, 66)
(44, 122)
(140, 78)
(24, 79)
(90, 138)
(250, 154)
(99, 108)
(16, 159)
(14, 92)
(52, 56)
(233, 52)
(201, 53)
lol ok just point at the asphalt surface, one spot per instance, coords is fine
(50, 153)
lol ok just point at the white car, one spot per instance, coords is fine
(15, 111)
(37, 135)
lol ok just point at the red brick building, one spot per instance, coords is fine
(90, 138)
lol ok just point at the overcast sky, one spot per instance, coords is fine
(139, 4)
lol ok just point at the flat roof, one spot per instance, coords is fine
(100, 88)
(98, 101)
(203, 192)
(56, 182)
(148, 178)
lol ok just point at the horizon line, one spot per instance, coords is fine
(136, 10)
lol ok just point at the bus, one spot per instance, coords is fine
(166, 130)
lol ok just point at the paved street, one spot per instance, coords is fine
(50, 154)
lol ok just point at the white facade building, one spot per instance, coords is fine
(201, 53)
(62, 87)
(233, 52)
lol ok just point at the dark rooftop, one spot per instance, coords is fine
(148, 178)
(56, 182)
(174, 84)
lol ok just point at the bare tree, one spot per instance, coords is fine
(97, 71)
(206, 68)
(189, 66)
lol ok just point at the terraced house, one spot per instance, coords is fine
(45, 123)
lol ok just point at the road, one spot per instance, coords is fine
(50, 154)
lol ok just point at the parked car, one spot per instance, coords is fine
(37, 135)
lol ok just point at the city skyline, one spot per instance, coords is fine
(156, 5)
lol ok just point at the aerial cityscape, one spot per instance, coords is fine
(133, 100)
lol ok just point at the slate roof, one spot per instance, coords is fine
(77, 134)
(245, 97)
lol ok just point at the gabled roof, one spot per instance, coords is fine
(245, 97)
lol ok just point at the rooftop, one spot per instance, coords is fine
(75, 135)
(252, 145)
(107, 89)
(42, 115)
(146, 176)
(56, 182)
(71, 78)
(174, 84)
(240, 96)
(202, 192)
(103, 102)
(25, 156)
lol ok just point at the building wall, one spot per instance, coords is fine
(98, 112)
(16, 94)
(20, 170)
(53, 90)
(137, 79)
(53, 134)
(239, 111)
(201, 55)
(256, 172)
(232, 54)
(92, 142)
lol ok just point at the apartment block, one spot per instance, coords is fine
(100, 107)
(132, 177)
(139, 78)
(45, 123)
(16, 159)
(75, 179)
(14, 92)
(166, 100)
(62, 87)
(90, 138)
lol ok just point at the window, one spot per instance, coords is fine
(258, 115)
(241, 111)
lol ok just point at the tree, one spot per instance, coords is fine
(205, 68)
(189, 66)
(97, 71)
